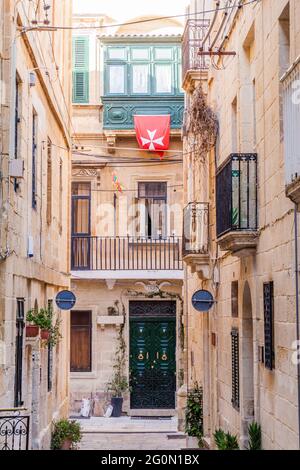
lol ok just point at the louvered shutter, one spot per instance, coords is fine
(235, 369)
(269, 325)
(81, 69)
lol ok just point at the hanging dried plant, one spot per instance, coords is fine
(202, 125)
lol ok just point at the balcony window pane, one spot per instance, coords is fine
(116, 79)
(163, 53)
(81, 189)
(81, 216)
(140, 54)
(163, 76)
(140, 74)
(117, 53)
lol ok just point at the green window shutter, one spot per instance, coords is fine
(80, 69)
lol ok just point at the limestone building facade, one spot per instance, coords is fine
(126, 216)
(35, 143)
(244, 351)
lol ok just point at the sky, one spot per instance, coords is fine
(124, 9)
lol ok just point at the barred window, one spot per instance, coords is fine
(235, 400)
(269, 325)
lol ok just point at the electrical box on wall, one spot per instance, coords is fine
(16, 168)
(30, 252)
(32, 79)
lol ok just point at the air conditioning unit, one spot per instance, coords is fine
(16, 168)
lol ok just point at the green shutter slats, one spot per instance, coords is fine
(81, 69)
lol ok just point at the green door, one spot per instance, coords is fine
(153, 359)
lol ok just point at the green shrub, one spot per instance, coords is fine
(194, 413)
(225, 441)
(63, 430)
(254, 433)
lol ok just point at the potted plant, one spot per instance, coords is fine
(32, 331)
(66, 434)
(42, 319)
(194, 417)
(117, 387)
(119, 383)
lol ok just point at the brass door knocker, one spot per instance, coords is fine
(164, 357)
(141, 356)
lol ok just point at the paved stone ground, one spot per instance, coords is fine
(130, 434)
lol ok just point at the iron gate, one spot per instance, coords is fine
(14, 431)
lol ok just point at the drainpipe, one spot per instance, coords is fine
(297, 310)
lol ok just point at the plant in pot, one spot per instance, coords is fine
(42, 319)
(117, 387)
(194, 415)
(119, 383)
(66, 434)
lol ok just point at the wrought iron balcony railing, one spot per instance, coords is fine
(126, 253)
(236, 194)
(193, 36)
(14, 430)
(195, 229)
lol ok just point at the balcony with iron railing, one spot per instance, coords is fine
(291, 120)
(194, 64)
(236, 204)
(195, 237)
(119, 255)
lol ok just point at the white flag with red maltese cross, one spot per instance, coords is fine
(153, 132)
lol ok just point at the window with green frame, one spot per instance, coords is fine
(81, 69)
(142, 69)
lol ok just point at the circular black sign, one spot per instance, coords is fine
(65, 300)
(202, 300)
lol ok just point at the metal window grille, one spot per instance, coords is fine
(269, 325)
(235, 369)
(20, 324)
(49, 181)
(34, 150)
(50, 358)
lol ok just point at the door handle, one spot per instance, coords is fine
(157, 355)
(147, 356)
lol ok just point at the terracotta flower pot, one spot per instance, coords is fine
(45, 334)
(66, 445)
(32, 331)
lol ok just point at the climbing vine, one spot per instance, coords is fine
(119, 383)
(202, 125)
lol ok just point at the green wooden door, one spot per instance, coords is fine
(153, 362)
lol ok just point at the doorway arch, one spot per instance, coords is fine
(247, 363)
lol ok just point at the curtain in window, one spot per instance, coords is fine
(140, 78)
(153, 209)
(163, 75)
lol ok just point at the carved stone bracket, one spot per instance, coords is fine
(111, 142)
